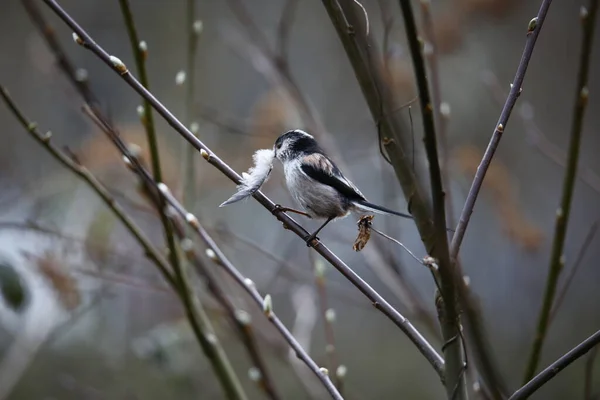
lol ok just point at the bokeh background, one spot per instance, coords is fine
(91, 318)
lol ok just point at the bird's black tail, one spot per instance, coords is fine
(366, 206)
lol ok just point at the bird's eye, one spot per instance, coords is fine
(278, 145)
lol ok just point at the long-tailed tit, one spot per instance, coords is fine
(317, 184)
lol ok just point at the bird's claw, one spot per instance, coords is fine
(311, 240)
(277, 208)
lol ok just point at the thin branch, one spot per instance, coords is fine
(379, 302)
(420, 261)
(89, 179)
(49, 35)
(328, 316)
(455, 383)
(219, 257)
(189, 167)
(533, 31)
(574, 269)
(430, 50)
(588, 21)
(536, 137)
(139, 56)
(553, 369)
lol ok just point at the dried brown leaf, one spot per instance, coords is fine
(364, 232)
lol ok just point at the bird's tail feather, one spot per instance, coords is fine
(366, 206)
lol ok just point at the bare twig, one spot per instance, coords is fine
(533, 31)
(139, 56)
(537, 138)
(303, 302)
(328, 316)
(420, 261)
(553, 369)
(430, 50)
(193, 28)
(379, 302)
(48, 33)
(588, 20)
(88, 178)
(574, 269)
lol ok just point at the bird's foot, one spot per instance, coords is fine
(311, 240)
(279, 208)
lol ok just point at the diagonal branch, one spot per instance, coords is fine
(553, 369)
(533, 31)
(220, 259)
(150, 187)
(378, 301)
(86, 176)
(557, 261)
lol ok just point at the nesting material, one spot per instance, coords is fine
(255, 177)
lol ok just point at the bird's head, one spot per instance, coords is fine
(294, 144)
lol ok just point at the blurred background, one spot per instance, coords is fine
(84, 314)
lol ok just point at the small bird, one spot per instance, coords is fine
(317, 184)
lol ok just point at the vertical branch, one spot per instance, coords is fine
(455, 382)
(140, 54)
(574, 269)
(194, 28)
(533, 31)
(557, 260)
(430, 50)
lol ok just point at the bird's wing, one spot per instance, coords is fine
(320, 168)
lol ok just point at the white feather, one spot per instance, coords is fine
(255, 177)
